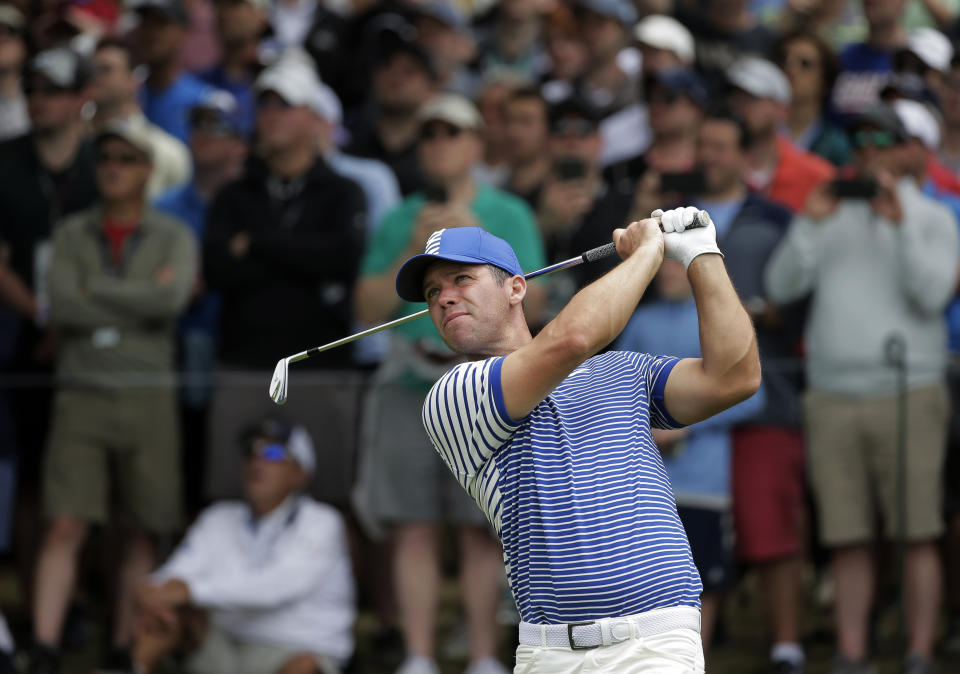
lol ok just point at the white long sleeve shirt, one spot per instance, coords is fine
(285, 579)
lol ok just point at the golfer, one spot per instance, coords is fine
(554, 442)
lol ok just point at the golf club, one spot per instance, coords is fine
(279, 382)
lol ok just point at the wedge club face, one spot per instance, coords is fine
(278, 385)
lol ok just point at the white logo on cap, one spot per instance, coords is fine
(433, 243)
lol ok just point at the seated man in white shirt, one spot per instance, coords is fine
(259, 587)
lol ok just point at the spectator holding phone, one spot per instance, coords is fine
(577, 208)
(876, 266)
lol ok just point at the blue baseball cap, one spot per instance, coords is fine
(471, 245)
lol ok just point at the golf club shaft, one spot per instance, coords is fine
(592, 255)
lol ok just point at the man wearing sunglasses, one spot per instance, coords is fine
(262, 586)
(879, 262)
(120, 275)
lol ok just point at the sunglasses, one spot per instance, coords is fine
(125, 158)
(271, 101)
(572, 127)
(44, 89)
(275, 453)
(663, 97)
(863, 139)
(434, 131)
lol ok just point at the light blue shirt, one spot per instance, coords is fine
(698, 465)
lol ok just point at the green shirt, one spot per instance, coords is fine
(499, 213)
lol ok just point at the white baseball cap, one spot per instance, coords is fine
(294, 78)
(665, 32)
(759, 78)
(932, 47)
(919, 122)
(452, 109)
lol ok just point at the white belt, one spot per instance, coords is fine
(606, 631)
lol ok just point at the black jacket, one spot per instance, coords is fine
(291, 291)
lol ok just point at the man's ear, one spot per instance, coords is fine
(518, 289)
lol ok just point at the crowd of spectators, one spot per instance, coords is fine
(193, 189)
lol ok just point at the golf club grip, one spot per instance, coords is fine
(609, 249)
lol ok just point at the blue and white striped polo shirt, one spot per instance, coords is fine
(576, 491)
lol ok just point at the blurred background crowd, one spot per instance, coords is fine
(193, 189)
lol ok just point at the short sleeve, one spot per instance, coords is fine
(657, 371)
(465, 417)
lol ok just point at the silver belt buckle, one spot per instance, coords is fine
(573, 645)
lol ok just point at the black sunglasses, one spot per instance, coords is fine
(44, 88)
(572, 126)
(878, 138)
(125, 158)
(434, 131)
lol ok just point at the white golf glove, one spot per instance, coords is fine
(683, 242)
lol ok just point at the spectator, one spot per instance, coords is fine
(768, 461)
(609, 83)
(725, 32)
(920, 149)
(283, 242)
(403, 78)
(14, 120)
(257, 587)
(577, 208)
(865, 67)
(200, 46)
(491, 100)
(697, 457)
(927, 54)
(45, 174)
(512, 41)
(775, 167)
(858, 303)
(114, 90)
(665, 44)
(241, 25)
(444, 31)
(527, 128)
(566, 50)
(403, 483)
(116, 315)
(950, 105)
(811, 68)
(675, 100)
(169, 93)
(218, 150)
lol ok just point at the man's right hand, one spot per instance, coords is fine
(640, 234)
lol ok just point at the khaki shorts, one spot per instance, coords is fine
(852, 457)
(136, 430)
(221, 653)
(402, 478)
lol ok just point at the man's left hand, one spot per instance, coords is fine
(683, 243)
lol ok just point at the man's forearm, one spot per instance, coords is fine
(727, 340)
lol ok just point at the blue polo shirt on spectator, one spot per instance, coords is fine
(170, 109)
(242, 91)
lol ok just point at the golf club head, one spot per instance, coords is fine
(278, 385)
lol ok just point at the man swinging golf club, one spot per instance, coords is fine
(554, 442)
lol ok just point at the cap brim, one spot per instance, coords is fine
(410, 276)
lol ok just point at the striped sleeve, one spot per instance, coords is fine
(465, 417)
(656, 370)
